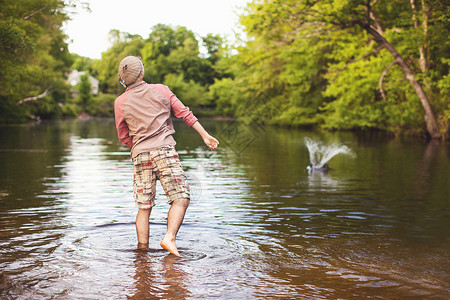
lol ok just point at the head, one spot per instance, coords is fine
(131, 70)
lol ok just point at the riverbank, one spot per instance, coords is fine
(208, 116)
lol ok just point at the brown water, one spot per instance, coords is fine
(259, 225)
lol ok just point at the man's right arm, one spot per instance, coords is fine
(210, 141)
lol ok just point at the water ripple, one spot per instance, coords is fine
(259, 226)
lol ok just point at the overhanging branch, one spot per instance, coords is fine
(374, 51)
(34, 13)
(34, 98)
(380, 82)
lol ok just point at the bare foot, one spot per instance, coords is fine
(170, 246)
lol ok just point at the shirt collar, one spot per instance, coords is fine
(135, 85)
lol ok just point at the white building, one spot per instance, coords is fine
(74, 79)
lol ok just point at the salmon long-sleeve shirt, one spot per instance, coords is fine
(143, 116)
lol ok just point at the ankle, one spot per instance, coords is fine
(143, 246)
(169, 237)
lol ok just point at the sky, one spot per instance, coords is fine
(88, 31)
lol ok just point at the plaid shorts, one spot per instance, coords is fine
(163, 164)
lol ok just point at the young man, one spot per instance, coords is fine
(143, 122)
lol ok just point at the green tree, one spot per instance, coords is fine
(174, 50)
(82, 63)
(191, 93)
(34, 58)
(84, 89)
(213, 44)
(123, 44)
(216, 52)
(171, 56)
(347, 64)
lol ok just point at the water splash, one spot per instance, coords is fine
(320, 154)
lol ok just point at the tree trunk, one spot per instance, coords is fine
(422, 56)
(430, 119)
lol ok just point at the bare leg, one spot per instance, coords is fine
(174, 220)
(143, 227)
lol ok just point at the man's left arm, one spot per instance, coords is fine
(121, 125)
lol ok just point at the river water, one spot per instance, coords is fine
(376, 225)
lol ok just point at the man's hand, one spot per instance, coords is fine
(211, 142)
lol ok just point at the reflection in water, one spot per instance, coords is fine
(149, 272)
(322, 181)
(259, 225)
(176, 285)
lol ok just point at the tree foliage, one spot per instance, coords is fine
(124, 44)
(34, 58)
(171, 56)
(345, 64)
(84, 89)
(336, 64)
